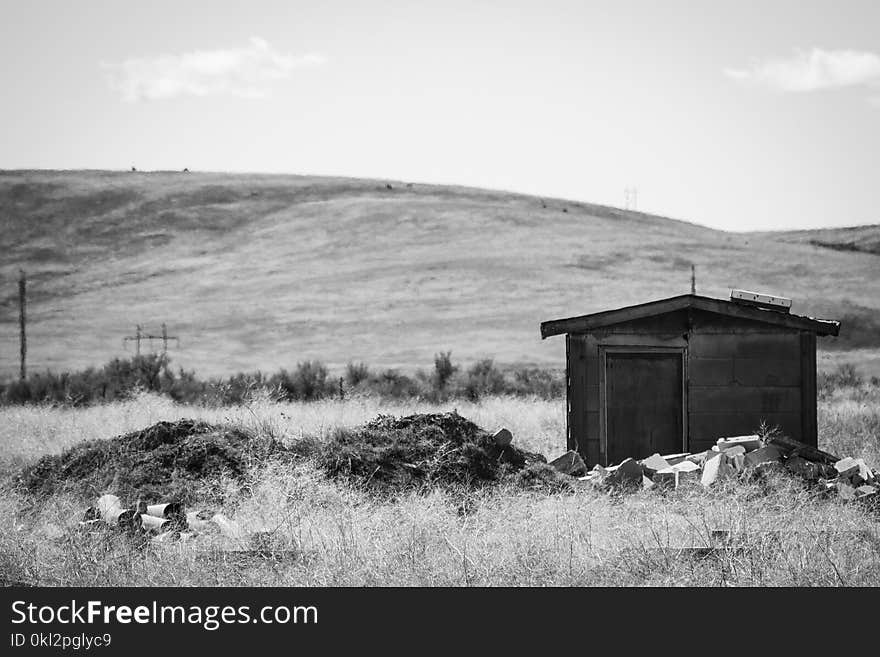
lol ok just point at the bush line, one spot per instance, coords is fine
(310, 380)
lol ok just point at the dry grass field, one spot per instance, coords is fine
(334, 533)
(263, 271)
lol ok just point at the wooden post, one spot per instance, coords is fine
(22, 318)
(341, 390)
(693, 279)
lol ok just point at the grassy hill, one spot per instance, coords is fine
(262, 271)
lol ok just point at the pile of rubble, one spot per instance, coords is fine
(849, 478)
(420, 451)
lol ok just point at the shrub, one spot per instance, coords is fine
(356, 373)
(483, 378)
(120, 379)
(443, 370)
(391, 384)
(307, 382)
(547, 384)
(845, 376)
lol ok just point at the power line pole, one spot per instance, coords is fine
(137, 337)
(22, 320)
(693, 279)
(164, 338)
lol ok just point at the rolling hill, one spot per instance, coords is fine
(262, 271)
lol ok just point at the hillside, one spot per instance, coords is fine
(861, 239)
(261, 271)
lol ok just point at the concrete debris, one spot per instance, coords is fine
(700, 458)
(164, 522)
(654, 463)
(502, 437)
(151, 523)
(864, 491)
(865, 472)
(854, 471)
(677, 474)
(570, 463)
(766, 454)
(715, 468)
(748, 443)
(847, 467)
(743, 456)
(110, 510)
(675, 459)
(627, 472)
(167, 510)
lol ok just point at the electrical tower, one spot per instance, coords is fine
(139, 335)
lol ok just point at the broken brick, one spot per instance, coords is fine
(714, 469)
(864, 491)
(762, 455)
(570, 463)
(847, 467)
(627, 472)
(502, 437)
(654, 463)
(748, 443)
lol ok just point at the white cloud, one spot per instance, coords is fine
(812, 70)
(245, 72)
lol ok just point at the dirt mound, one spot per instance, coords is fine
(417, 450)
(167, 461)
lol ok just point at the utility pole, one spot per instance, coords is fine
(693, 279)
(22, 320)
(137, 337)
(164, 338)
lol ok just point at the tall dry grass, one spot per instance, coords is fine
(332, 533)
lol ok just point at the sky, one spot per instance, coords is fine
(734, 114)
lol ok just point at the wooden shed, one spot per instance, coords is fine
(676, 374)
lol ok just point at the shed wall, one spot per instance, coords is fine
(739, 379)
(739, 374)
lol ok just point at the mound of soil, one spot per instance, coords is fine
(416, 450)
(167, 461)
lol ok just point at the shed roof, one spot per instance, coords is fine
(662, 306)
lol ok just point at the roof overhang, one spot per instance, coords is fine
(584, 323)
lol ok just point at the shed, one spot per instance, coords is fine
(676, 374)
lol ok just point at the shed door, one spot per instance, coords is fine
(643, 397)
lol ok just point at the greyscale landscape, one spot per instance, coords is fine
(370, 299)
(439, 294)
